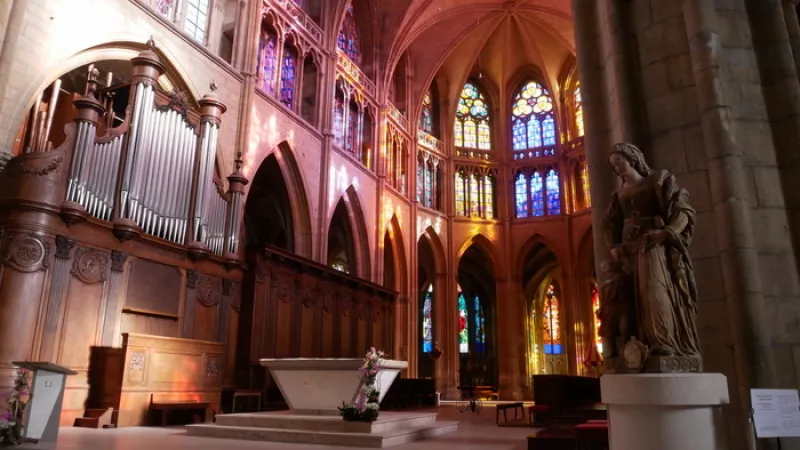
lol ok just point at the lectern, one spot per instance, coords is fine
(47, 394)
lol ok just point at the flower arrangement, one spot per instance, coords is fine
(11, 427)
(365, 408)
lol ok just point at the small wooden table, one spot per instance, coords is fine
(515, 406)
(246, 393)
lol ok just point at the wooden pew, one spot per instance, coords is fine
(164, 402)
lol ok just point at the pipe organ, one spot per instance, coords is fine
(150, 169)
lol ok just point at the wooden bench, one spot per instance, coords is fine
(165, 404)
(247, 393)
(516, 407)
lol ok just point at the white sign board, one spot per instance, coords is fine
(776, 412)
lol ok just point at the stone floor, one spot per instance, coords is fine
(475, 432)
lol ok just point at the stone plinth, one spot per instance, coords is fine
(678, 411)
(318, 386)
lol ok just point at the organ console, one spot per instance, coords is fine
(152, 172)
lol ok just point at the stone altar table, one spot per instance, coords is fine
(314, 388)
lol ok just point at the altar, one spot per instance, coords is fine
(314, 388)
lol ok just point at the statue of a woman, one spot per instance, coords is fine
(650, 284)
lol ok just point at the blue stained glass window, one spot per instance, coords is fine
(553, 193)
(521, 194)
(480, 331)
(268, 56)
(352, 131)
(420, 181)
(537, 194)
(429, 185)
(532, 118)
(349, 41)
(549, 131)
(463, 328)
(338, 119)
(427, 321)
(426, 118)
(288, 75)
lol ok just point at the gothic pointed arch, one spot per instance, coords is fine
(277, 208)
(485, 244)
(395, 252)
(348, 239)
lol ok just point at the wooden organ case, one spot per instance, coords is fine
(123, 228)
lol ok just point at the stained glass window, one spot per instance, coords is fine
(551, 329)
(533, 122)
(165, 7)
(596, 310)
(463, 329)
(420, 180)
(578, 111)
(553, 193)
(474, 196)
(461, 209)
(480, 330)
(471, 129)
(349, 41)
(426, 118)
(300, 3)
(338, 119)
(521, 195)
(268, 64)
(427, 321)
(488, 197)
(196, 19)
(288, 76)
(429, 185)
(352, 130)
(587, 196)
(537, 194)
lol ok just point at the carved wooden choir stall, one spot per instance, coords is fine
(121, 259)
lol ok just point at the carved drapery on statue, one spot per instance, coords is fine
(649, 305)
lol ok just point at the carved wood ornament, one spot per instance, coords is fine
(118, 261)
(90, 266)
(64, 247)
(27, 253)
(209, 291)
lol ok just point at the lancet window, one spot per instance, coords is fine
(471, 128)
(428, 176)
(268, 60)
(551, 323)
(288, 76)
(349, 40)
(533, 122)
(475, 192)
(471, 323)
(537, 192)
(427, 320)
(596, 313)
(352, 124)
(426, 117)
(397, 160)
(578, 112)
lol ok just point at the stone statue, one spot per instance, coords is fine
(649, 293)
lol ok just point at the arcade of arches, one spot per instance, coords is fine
(309, 178)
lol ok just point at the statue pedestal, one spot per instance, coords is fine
(674, 411)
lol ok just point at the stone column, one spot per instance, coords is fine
(596, 139)
(793, 28)
(507, 332)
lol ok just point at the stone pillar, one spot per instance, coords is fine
(741, 275)
(508, 339)
(793, 28)
(596, 139)
(678, 411)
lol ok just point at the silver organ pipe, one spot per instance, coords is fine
(234, 219)
(215, 219)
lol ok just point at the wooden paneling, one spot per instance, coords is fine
(294, 307)
(153, 287)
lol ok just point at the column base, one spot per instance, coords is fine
(676, 411)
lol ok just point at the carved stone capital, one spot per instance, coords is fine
(118, 261)
(192, 278)
(64, 247)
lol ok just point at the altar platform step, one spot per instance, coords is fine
(391, 428)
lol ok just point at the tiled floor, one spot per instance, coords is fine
(475, 432)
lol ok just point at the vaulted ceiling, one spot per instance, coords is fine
(449, 39)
